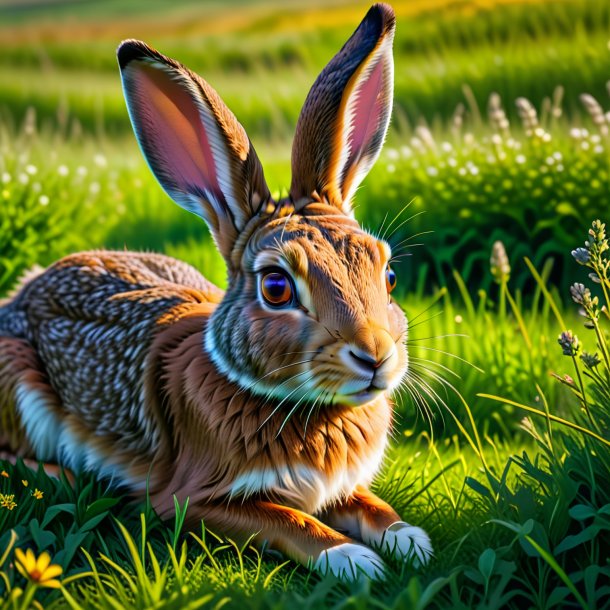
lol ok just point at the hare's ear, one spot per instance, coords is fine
(346, 115)
(194, 145)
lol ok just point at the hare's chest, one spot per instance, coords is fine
(306, 487)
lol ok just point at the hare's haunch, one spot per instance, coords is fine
(267, 406)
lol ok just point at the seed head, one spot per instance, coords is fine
(581, 255)
(569, 343)
(500, 267)
(590, 360)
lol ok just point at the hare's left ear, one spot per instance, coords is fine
(345, 117)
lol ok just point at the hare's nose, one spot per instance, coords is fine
(365, 359)
(370, 350)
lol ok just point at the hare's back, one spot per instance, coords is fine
(91, 319)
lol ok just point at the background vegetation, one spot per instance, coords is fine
(500, 132)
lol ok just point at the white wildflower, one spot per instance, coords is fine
(100, 160)
(392, 154)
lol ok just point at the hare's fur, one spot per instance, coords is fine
(134, 366)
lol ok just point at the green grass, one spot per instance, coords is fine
(508, 472)
(515, 50)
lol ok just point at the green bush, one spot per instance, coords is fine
(529, 187)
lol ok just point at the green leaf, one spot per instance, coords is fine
(53, 511)
(88, 525)
(580, 512)
(99, 506)
(570, 542)
(557, 597)
(43, 539)
(487, 562)
(478, 487)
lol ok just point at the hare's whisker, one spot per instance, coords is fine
(429, 319)
(407, 239)
(404, 222)
(396, 217)
(445, 353)
(377, 233)
(421, 362)
(290, 413)
(417, 339)
(276, 370)
(278, 406)
(319, 400)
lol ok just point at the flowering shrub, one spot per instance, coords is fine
(593, 398)
(528, 186)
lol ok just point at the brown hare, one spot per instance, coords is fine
(266, 405)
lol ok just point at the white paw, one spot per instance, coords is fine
(351, 562)
(407, 542)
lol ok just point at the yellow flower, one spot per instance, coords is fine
(37, 493)
(25, 483)
(40, 571)
(8, 501)
(4, 474)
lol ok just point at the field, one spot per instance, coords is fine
(501, 134)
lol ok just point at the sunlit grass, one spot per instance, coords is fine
(508, 470)
(263, 60)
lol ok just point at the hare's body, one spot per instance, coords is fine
(267, 406)
(158, 408)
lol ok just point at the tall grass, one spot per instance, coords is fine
(263, 65)
(510, 476)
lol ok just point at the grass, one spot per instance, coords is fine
(515, 49)
(510, 475)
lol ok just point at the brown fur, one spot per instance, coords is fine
(136, 367)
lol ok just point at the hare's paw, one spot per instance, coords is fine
(407, 542)
(350, 562)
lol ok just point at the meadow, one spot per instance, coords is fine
(500, 134)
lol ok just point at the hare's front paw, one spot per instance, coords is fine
(407, 542)
(350, 561)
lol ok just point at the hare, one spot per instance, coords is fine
(266, 405)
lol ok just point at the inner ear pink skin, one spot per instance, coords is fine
(171, 129)
(367, 113)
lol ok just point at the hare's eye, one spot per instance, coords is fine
(276, 289)
(390, 279)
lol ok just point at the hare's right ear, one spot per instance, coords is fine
(194, 145)
(346, 115)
